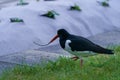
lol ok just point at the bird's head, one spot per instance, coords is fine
(62, 33)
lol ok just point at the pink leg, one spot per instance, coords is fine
(81, 63)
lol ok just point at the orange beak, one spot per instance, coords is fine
(53, 39)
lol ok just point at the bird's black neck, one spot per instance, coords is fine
(62, 42)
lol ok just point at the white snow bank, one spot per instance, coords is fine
(93, 19)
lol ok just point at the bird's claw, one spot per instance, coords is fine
(75, 58)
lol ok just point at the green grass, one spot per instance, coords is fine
(75, 7)
(99, 67)
(105, 4)
(50, 14)
(16, 20)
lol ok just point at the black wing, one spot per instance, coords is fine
(80, 43)
(83, 44)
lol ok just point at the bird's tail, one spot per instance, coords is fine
(107, 51)
(102, 50)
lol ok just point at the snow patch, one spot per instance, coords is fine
(92, 20)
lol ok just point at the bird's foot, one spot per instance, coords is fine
(75, 58)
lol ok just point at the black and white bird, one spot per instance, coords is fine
(77, 44)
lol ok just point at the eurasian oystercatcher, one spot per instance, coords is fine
(77, 44)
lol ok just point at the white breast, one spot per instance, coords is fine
(77, 53)
(67, 47)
